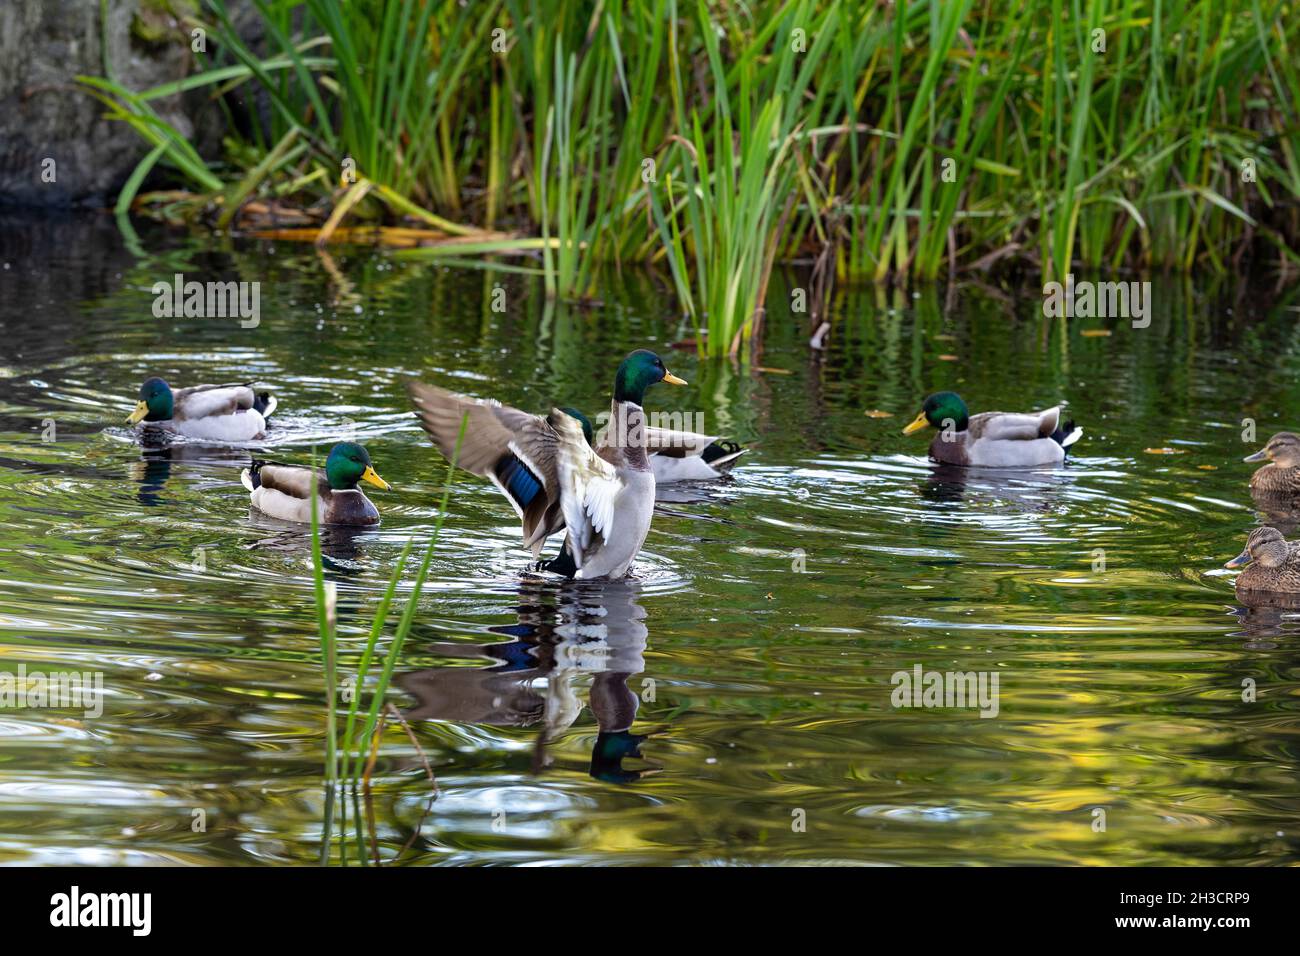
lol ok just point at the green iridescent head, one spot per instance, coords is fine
(639, 371)
(155, 404)
(939, 409)
(349, 463)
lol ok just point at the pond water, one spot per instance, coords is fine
(730, 704)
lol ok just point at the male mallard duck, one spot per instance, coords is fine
(689, 456)
(1274, 563)
(1281, 476)
(284, 491)
(993, 439)
(679, 455)
(552, 476)
(225, 413)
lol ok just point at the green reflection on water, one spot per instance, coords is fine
(692, 715)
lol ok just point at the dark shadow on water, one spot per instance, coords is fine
(564, 633)
(1024, 490)
(1267, 621)
(341, 546)
(1278, 511)
(157, 458)
(691, 492)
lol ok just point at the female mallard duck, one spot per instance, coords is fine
(678, 455)
(994, 439)
(227, 413)
(551, 475)
(1281, 476)
(284, 491)
(1274, 563)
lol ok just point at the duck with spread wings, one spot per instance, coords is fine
(552, 477)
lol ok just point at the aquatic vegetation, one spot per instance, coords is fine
(899, 141)
(346, 763)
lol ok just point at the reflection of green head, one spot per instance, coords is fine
(639, 371)
(611, 749)
(349, 463)
(945, 406)
(586, 423)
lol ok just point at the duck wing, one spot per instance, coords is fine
(291, 480)
(1014, 426)
(688, 456)
(514, 450)
(209, 401)
(675, 444)
(589, 486)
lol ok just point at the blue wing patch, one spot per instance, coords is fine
(519, 483)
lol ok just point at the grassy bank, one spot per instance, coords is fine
(909, 140)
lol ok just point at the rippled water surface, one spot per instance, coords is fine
(733, 702)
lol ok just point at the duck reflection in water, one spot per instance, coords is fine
(340, 545)
(1019, 490)
(1267, 626)
(565, 633)
(1278, 512)
(154, 469)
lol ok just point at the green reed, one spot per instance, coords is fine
(912, 140)
(345, 756)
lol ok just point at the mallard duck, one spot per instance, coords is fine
(1281, 476)
(679, 455)
(993, 439)
(284, 491)
(551, 474)
(1274, 563)
(226, 413)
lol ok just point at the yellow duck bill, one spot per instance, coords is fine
(141, 410)
(917, 424)
(371, 477)
(672, 379)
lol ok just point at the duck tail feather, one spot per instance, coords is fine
(252, 475)
(722, 454)
(1067, 434)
